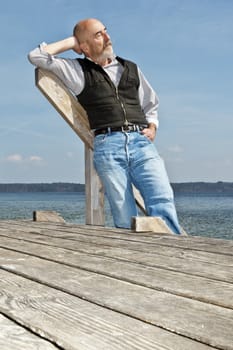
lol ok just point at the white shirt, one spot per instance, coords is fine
(70, 72)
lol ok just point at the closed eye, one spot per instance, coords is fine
(100, 33)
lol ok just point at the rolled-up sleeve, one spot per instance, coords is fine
(68, 70)
(148, 99)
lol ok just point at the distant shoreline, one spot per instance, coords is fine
(42, 187)
(217, 188)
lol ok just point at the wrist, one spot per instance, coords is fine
(69, 43)
(152, 126)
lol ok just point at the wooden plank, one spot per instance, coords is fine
(135, 252)
(153, 224)
(198, 288)
(65, 103)
(15, 337)
(197, 243)
(207, 323)
(94, 192)
(76, 324)
(47, 215)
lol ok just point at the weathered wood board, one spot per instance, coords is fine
(86, 287)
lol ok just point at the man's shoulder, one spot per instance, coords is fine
(85, 62)
(126, 61)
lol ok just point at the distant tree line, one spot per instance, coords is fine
(216, 188)
(193, 188)
(42, 187)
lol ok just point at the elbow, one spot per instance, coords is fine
(30, 57)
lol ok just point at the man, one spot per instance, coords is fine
(122, 112)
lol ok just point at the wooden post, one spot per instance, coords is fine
(94, 192)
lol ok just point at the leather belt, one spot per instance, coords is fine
(124, 128)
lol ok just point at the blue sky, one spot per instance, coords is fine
(184, 48)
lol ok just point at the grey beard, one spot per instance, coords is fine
(106, 56)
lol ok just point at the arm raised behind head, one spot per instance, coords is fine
(66, 44)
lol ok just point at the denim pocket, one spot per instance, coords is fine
(99, 140)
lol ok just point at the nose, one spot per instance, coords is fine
(106, 36)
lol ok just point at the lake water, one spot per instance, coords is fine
(202, 215)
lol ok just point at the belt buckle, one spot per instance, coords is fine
(127, 128)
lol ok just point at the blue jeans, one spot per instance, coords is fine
(125, 158)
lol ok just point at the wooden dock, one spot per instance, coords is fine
(77, 287)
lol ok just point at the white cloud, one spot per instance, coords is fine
(35, 159)
(14, 158)
(19, 159)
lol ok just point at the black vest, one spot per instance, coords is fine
(107, 105)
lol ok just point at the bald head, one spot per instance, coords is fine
(83, 29)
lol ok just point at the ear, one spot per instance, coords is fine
(76, 47)
(84, 48)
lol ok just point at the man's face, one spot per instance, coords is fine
(99, 46)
